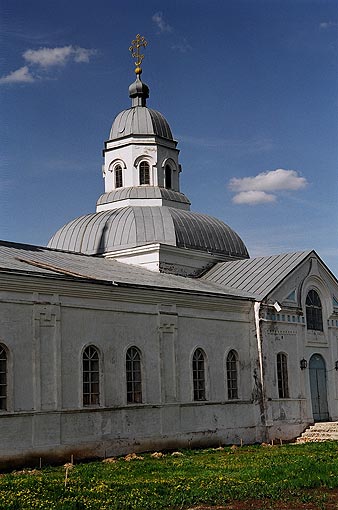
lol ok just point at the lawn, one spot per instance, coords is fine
(244, 477)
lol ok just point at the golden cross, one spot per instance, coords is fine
(136, 44)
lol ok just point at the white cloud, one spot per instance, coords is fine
(273, 180)
(22, 75)
(160, 22)
(328, 24)
(47, 57)
(253, 197)
(44, 59)
(83, 54)
(257, 189)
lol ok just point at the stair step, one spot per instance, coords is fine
(322, 431)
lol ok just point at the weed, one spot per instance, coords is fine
(213, 476)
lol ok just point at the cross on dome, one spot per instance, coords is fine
(136, 44)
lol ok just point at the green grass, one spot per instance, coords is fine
(199, 476)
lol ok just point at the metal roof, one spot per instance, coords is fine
(45, 262)
(142, 192)
(134, 226)
(203, 232)
(140, 120)
(258, 276)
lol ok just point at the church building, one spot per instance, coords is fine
(146, 326)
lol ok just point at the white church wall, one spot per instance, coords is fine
(16, 334)
(168, 259)
(47, 324)
(47, 409)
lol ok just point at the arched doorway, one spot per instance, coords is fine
(318, 388)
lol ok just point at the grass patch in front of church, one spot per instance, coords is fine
(269, 475)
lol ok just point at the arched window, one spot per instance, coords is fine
(134, 376)
(314, 316)
(91, 376)
(167, 175)
(282, 375)
(3, 377)
(198, 374)
(144, 172)
(118, 176)
(232, 375)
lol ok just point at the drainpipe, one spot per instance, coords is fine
(259, 379)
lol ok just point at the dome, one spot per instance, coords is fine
(143, 192)
(140, 120)
(133, 226)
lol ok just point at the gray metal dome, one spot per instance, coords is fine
(140, 120)
(129, 227)
(141, 192)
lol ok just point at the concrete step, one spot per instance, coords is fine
(322, 431)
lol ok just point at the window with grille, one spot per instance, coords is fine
(314, 316)
(144, 172)
(282, 375)
(134, 376)
(167, 177)
(198, 375)
(91, 376)
(232, 375)
(3, 378)
(118, 177)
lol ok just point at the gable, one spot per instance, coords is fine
(283, 278)
(312, 273)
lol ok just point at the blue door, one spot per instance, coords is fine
(318, 388)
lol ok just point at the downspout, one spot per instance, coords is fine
(259, 379)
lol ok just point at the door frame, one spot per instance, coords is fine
(318, 388)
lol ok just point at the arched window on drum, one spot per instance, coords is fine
(144, 173)
(118, 176)
(168, 177)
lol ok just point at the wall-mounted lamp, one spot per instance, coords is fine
(303, 364)
(336, 365)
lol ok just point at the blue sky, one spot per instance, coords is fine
(250, 89)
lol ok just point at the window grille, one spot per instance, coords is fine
(3, 378)
(134, 376)
(232, 375)
(314, 316)
(118, 177)
(144, 172)
(282, 375)
(198, 374)
(91, 376)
